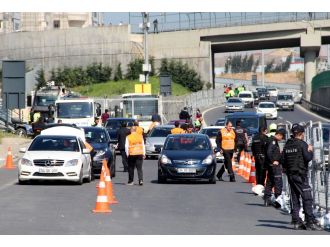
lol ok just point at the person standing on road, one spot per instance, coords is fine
(122, 133)
(105, 116)
(226, 143)
(296, 156)
(259, 149)
(38, 126)
(97, 122)
(274, 169)
(135, 151)
(241, 139)
(139, 129)
(184, 114)
(177, 129)
(155, 22)
(272, 129)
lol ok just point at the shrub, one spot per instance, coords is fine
(41, 79)
(118, 73)
(134, 69)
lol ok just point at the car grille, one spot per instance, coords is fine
(186, 162)
(38, 174)
(199, 172)
(48, 162)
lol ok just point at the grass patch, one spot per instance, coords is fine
(111, 88)
(4, 134)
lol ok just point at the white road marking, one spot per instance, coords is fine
(312, 113)
(210, 109)
(280, 117)
(288, 122)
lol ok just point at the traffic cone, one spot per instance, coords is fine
(111, 197)
(9, 160)
(102, 203)
(248, 168)
(252, 178)
(241, 164)
(246, 161)
(102, 176)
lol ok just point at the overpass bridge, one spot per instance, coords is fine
(198, 47)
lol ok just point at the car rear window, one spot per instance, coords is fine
(245, 95)
(284, 97)
(115, 124)
(187, 143)
(234, 101)
(246, 122)
(97, 135)
(270, 105)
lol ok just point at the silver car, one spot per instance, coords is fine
(234, 104)
(156, 139)
(285, 101)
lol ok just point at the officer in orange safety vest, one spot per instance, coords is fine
(135, 150)
(226, 142)
(177, 129)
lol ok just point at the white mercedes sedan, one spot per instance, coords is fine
(55, 157)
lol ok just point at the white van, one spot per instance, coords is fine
(247, 98)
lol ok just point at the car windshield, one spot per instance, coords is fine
(271, 89)
(187, 143)
(75, 110)
(212, 133)
(245, 95)
(220, 122)
(284, 97)
(116, 123)
(269, 105)
(45, 100)
(57, 143)
(160, 132)
(262, 90)
(246, 122)
(234, 101)
(97, 135)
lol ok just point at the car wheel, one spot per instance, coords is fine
(81, 178)
(212, 180)
(89, 178)
(292, 109)
(21, 132)
(23, 182)
(161, 179)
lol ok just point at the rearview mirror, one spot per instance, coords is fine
(22, 150)
(86, 151)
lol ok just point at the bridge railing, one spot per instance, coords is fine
(175, 21)
(319, 109)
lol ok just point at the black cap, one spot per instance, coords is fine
(281, 132)
(297, 128)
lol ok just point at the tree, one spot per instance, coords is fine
(134, 69)
(256, 64)
(41, 79)
(152, 64)
(164, 66)
(286, 64)
(250, 63)
(269, 66)
(244, 67)
(118, 73)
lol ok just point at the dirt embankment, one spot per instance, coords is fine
(287, 77)
(15, 143)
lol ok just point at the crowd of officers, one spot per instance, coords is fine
(230, 91)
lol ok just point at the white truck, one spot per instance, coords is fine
(79, 111)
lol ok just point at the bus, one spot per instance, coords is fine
(140, 106)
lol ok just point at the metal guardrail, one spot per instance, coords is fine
(319, 109)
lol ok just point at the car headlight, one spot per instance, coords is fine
(72, 162)
(148, 143)
(100, 153)
(165, 160)
(25, 162)
(208, 160)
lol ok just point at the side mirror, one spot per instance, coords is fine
(216, 150)
(22, 150)
(158, 149)
(86, 151)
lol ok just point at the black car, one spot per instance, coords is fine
(113, 124)
(263, 94)
(103, 149)
(256, 98)
(187, 156)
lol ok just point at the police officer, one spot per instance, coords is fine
(226, 143)
(177, 129)
(241, 139)
(296, 156)
(274, 168)
(135, 151)
(272, 129)
(259, 148)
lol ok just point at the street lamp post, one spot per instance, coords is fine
(263, 67)
(145, 27)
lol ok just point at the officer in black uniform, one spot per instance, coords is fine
(296, 156)
(274, 168)
(259, 148)
(241, 139)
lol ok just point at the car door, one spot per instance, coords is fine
(85, 158)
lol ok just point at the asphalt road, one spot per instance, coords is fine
(174, 208)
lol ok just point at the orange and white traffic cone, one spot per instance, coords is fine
(246, 162)
(102, 176)
(252, 178)
(102, 203)
(248, 168)
(241, 164)
(9, 160)
(111, 197)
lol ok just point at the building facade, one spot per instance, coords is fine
(9, 22)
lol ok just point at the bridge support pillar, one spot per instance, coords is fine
(310, 44)
(212, 72)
